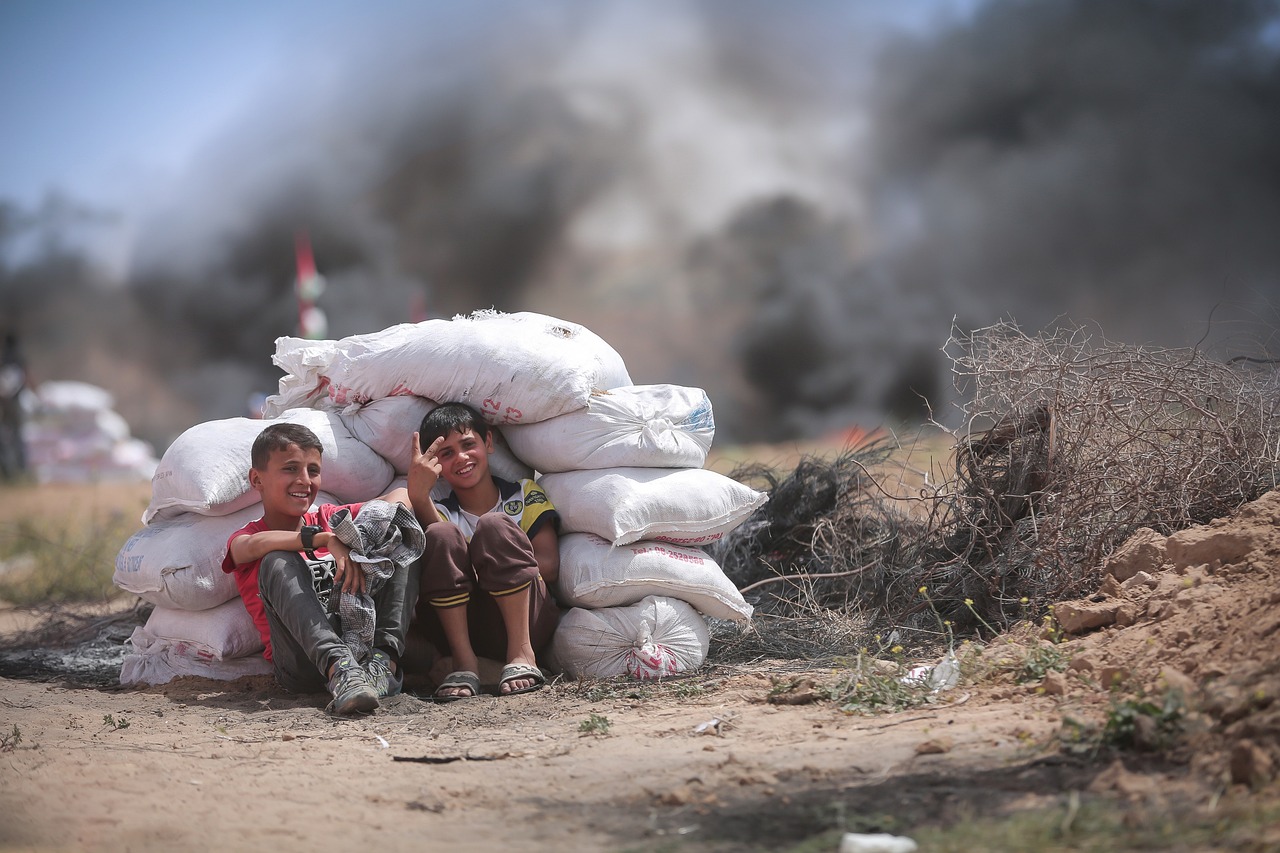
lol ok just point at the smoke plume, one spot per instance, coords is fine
(786, 207)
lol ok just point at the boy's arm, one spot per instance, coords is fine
(546, 548)
(424, 472)
(255, 546)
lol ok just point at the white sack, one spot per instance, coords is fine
(177, 562)
(643, 426)
(206, 470)
(687, 506)
(655, 638)
(388, 425)
(594, 574)
(220, 633)
(513, 368)
(154, 660)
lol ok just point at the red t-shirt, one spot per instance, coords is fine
(246, 574)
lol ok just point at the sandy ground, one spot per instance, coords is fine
(722, 761)
(203, 765)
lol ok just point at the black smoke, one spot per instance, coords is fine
(1081, 160)
(785, 206)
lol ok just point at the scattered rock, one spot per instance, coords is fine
(803, 693)
(1076, 617)
(1117, 778)
(1140, 579)
(1144, 551)
(1054, 684)
(1112, 676)
(1175, 680)
(1126, 614)
(1081, 663)
(1205, 545)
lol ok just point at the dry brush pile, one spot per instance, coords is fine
(1069, 444)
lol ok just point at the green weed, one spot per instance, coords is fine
(1142, 724)
(1132, 723)
(868, 689)
(112, 723)
(9, 742)
(596, 724)
(1040, 661)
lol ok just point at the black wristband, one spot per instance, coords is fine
(308, 537)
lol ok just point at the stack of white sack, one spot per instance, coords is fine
(200, 495)
(363, 397)
(73, 435)
(635, 504)
(622, 464)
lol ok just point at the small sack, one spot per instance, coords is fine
(685, 506)
(655, 638)
(594, 574)
(641, 426)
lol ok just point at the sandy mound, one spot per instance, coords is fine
(1191, 620)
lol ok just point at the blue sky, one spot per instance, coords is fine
(98, 97)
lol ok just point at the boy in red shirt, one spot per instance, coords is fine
(283, 594)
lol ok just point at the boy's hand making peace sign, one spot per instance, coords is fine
(424, 473)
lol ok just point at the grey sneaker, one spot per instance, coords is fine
(377, 670)
(352, 692)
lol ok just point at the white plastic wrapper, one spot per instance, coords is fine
(685, 506)
(655, 638)
(206, 470)
(512, 368)
(594, 574)
(645, 426)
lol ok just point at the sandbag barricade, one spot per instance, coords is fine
(73, 435)
(365, 395)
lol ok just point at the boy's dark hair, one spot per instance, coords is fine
(449, 418)
(279, 437)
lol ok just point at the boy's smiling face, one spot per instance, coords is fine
(464, 459)
(290, 482)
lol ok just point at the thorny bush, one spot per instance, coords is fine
(1069, 443)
